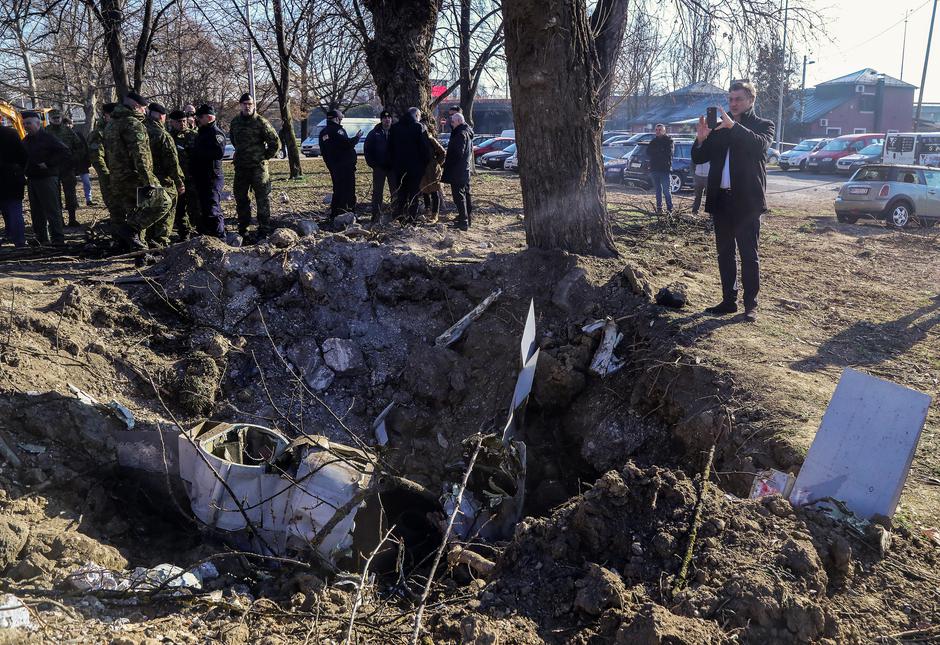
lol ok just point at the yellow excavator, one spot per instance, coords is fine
(10, 116)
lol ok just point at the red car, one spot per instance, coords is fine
(491, 145)
(824, 159)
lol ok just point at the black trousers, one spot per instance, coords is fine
(344, 190)
(737, 234)
(67, 184)
(408, 192)
(212, 220)
(380, 177)
(461, 195)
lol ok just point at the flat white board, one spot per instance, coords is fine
(864, 446)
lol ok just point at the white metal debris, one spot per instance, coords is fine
(13, 613)
(604, 362)
(453, 334)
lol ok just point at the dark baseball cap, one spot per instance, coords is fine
(156, 107)
(245, 97)
(334, 114)
(137, 98)
(55, 112)
(385, 113)
(204, 109)
(177, 115)
(108, 108)
(29, 115)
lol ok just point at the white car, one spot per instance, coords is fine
(512, 162)
(311, 145)
(797, 156)
(229, 153)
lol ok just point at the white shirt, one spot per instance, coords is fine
(701, 169)
(726, 172)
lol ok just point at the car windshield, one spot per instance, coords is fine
(614, 139)
(486, 143)
(510, 148)
(837, 146)
(873, 149)
(628, 152)
(803, 146)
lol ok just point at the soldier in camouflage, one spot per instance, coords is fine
(166, 168)
(76, 147)
(255, 142)
(138, 200)
(187, 205)
(96, 151)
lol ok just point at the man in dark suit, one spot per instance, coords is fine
(737, 182)
(408, 151)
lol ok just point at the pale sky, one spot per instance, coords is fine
(869, 33)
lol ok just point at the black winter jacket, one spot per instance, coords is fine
(376, 149)
(337, 147)
(12, 164)
(659, 151)
(459, 160)
(44, 148)
(407, 146)
(747, 143)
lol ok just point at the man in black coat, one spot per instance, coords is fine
(377, 156)
(659, 151)
(339, 155)
(457, 166)
(735, 194)
(409, 153)
(12, 182)
(206, 167)
(45, 155)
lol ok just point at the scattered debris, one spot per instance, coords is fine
(378, 426)
(604, 362)
(8, 453)
(772, 482)
(864, 446)
(932, 534)
(92, 577)
(675, 296)
(283, 237)
(117, 409)
(453, 334)
(13, 613)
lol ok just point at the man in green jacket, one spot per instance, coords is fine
(166, 168)
(96, 151)
(76, 147)
(138, 199)
(255, 141)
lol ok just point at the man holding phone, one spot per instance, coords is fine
(734, 143)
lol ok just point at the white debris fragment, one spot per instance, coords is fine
(604, 362)
(13, 613)
(453, 334)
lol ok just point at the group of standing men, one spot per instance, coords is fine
(407, 158)
(158, 172)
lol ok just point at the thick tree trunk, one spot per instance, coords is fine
(283, 94)
(554, 79)
(608, 23)
(463, 58)
(112, 21)
(398, 54)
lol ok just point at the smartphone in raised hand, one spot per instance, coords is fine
(711, 117)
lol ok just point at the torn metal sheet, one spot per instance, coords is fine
(378, 426)
(118, 410)
(864, 447)
(453, 334)
(604, 362)
(269, 494)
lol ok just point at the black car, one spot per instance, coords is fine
(636, 170)
(872, 154)
(495, 160)
(616, 162)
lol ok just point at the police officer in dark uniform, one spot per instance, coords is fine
(339, 154)
(206, 167)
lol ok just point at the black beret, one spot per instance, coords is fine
(177, 115)
(137, 98)
(55, 112)
(156, 107)
(333, 114)
(108, 108)
(245, 97)
(385, 113)
(204, 109)
(29, 115)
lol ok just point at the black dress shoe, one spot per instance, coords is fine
(750, 314)
(722, 308)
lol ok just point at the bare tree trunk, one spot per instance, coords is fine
(283, 93)
(463, 57)
(30, 74)
(608, 23)
(112, 21)
(398, 55)
(554, 78)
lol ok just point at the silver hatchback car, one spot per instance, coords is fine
(899, 195)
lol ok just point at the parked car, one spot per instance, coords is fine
(614, 165)
(444, 138)
(899, 195)
(311, 145)
(480, 138)
(490, 145)
(512, 162)
(642, 137)
(637, 170)
(824, 160)
(913, 148)
(229, 153)
(772, 156)
(867, 155)
(796, 157)
(495, 160)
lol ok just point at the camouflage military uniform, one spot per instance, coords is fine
(96, 152)
(76, 147)
(166, 168)
(127, 147)
(255, 142)
(187, 206)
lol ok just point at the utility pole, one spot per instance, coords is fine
(783, 74)
(923, 77)
(251, 47)
(803, 88)
(904, 43)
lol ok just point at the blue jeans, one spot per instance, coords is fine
(13, 220)
(661, 185)
(86, 186)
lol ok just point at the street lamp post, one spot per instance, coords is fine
(803, 88)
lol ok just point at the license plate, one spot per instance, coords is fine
(814, 163)
(858, 190)
(636, 164)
